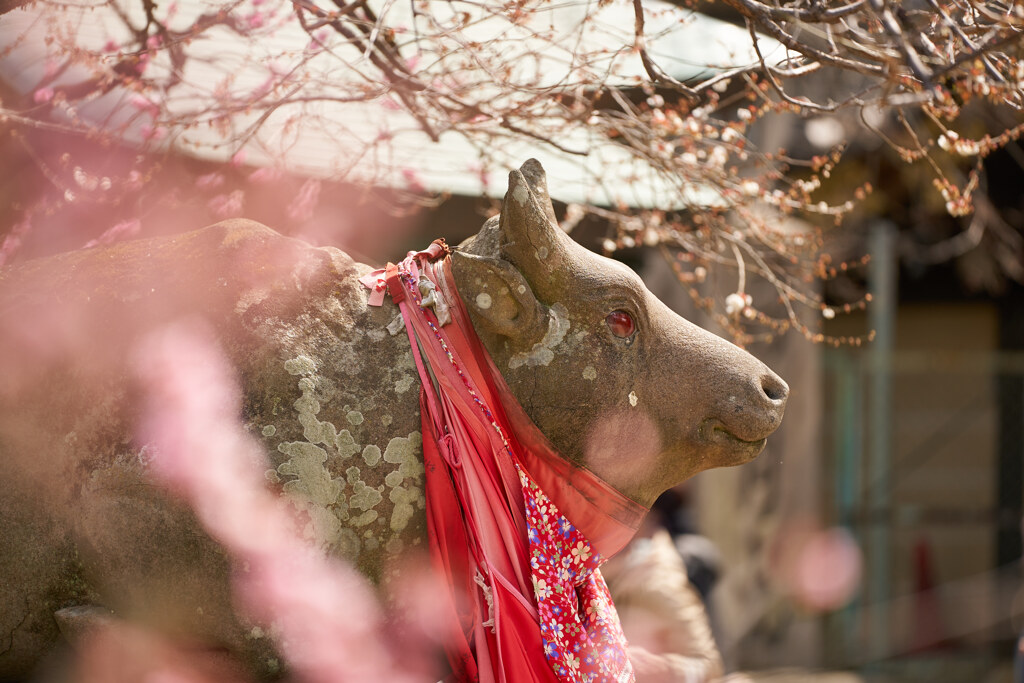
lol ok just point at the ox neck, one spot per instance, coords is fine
(605, 516)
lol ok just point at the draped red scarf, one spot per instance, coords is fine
(517, 531)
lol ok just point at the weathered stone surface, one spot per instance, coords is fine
(331, 390)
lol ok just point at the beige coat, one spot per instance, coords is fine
(662, 614)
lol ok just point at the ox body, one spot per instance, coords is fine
(615, 380)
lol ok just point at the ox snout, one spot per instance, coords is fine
(747, 417)
(775, 391)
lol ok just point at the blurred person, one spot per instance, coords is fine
(1018, 655)
(673, 512)
(661, 608)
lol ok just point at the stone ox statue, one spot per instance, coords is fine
(614, 379)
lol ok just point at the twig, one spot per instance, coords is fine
(653, 70)
(893, 28)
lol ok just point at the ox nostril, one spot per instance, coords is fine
(774, 388)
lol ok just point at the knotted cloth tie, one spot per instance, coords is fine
(517, 532)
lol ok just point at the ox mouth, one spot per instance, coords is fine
(714, 432)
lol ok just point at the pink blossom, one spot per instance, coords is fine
(301, 208)
(210, 181)
(264, 88)
(119, 231)
(52, 68)
(227, 205)
(265, 175)
(121, 652)
(828, 570)
(412, 180)
(327, 622)
(256, 20)
(318, 41)
(153, 133)
(110, 46)
(12, 242)
(154, 42)
(135, 180)
(143, 103)
(9, 247)
(43, 95)
(481, 173)
(238, 158)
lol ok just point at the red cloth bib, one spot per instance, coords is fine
(517, 532)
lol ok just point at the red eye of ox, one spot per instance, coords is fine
(621, 324)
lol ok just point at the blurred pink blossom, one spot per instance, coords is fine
(143, 103)
(412, 180)
(227, 205)
(327, 622)
(9, 247)
(238, 158)
(318, 40)
(52, 69)
(264, 88)
(119, 231)
(43, 95)
(135, 180)
(12, 242)
(480, 171)
(120, 652)
(154, 133)
(305, 202)
(256, 19)
(819, 568)
(265, 175)
(210, 181)
(828, 570)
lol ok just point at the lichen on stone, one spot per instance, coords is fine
(404, 452)
(300, 365)
(403, 499)
(362, 497)
(543, 352)
(403, 384)
(372, 455)
(312, 481)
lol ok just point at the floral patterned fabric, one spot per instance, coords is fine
(527, 603)
(579, 628)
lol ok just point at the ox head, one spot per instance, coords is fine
(616, 380)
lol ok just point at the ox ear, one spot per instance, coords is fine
(497, 295)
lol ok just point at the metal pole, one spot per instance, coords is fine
(849, 449)
(882, 315)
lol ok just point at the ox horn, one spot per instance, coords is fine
(530, 236)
